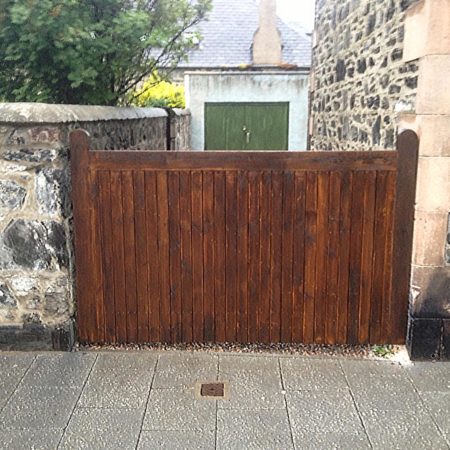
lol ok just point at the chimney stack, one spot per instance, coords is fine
(267, 39)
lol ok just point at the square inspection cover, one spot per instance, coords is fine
(212, 390)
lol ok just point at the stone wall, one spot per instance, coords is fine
(37, 300)
(359, 80)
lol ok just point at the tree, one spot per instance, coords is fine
(91, 51)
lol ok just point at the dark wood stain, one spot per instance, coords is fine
(243, 246)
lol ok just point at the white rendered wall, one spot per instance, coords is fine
(292, 87)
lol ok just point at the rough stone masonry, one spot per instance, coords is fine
(36, 257)
(359, 81)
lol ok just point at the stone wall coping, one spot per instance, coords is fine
(47, 113)
(181, 112)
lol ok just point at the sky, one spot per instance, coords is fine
(301, 11)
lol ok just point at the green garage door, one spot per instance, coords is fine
(246, 126)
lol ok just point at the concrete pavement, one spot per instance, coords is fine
(148, 400)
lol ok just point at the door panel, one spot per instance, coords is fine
(246, 126)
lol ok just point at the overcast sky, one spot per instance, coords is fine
(301, 11)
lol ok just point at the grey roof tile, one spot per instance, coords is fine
(227, 37)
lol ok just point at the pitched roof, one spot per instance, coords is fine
(227, 37)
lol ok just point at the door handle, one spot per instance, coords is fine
(247, 134)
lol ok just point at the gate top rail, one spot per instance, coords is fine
(232, 160)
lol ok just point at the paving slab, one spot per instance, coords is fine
(13, 367)
(127, 361)
(312, 374)
(178, 440)
(116, 389)
(315, 412)
(30, 439)
(402, 430)
(376, 376)
(255, 382)
(327, 441)
(438, 405)
(263, 429)
(429, 376)
(387, 399)
(179, 369)
(60, 369)
(178, 409)
(94, 428)
(39, 407)
(241, 366)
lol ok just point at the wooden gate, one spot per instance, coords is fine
(311, 247)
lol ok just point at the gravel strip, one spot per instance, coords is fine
(352, 351)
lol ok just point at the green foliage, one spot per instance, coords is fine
(90, 51)
(157, 92)
(383, 351)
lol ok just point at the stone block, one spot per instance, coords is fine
(36, 245)
(7, 299)
(433, 94)
(12, 195)
(52, 191)
(446, 341)
(433, 131)
(430, 233)
(30, 154)
(433, 184)
(36, 336)
(431, 287)
(424, 339)
(427, 26)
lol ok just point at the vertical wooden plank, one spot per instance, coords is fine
(175, 255)
(186, 256)
(79, 151)
(231, 256)
(98, 333)
(164, 260)
(386, 310)
(155, 253)
(310, 257)
(299, 257)
(344, 256)
(265, 253)
(323, 180)
(242, 253)
(367, 257)
(407, 150)
(104, 179)
(197, 255)
(380, 234)
(254, 280)
(356, 241)
(276, 256)
(130, 256)
(287, 247)
(117, 216)
(142, 260)
(331, 325)
(208, 255)
(219, 257)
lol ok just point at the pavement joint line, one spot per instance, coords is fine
(358, 412)
(217, 404)
(147, 401)
(283, 387)
(76, 403)
(443, 435)
(19, 383)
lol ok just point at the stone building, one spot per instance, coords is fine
(249, 63)
(380, 66)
